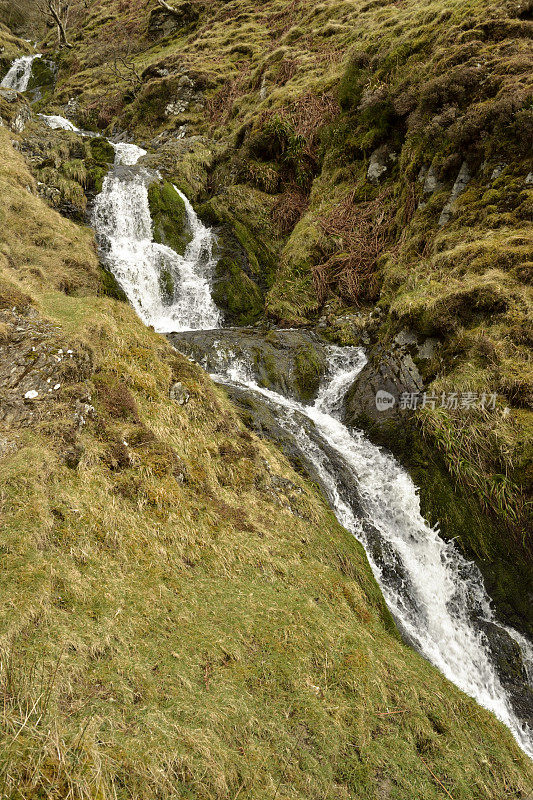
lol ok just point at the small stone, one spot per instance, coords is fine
(376, 168)
(31, 395)
(497, 171)
(179, 394)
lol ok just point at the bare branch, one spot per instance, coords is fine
(168, 8)
(58, 12)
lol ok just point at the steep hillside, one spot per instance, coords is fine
(180, 613)
(358, 153)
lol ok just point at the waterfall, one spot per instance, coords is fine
(123, 225)
(437, 597)
(434, 594)
(19, 74)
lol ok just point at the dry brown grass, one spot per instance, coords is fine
(360, 232)
(289, 208)
(220, 105)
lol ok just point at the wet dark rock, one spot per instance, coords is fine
(376, 396)
(507, 659)
(43, 76)
(289, 362)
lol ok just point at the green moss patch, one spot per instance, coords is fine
(169, 217)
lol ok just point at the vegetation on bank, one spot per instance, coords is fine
(181, 613)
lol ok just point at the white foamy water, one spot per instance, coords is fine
(432, 591)
(142, 267)
(19, 74)
(56, 122)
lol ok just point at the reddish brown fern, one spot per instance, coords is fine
(361, 232)
(289, 208)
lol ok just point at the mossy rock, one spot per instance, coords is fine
(43, 74)
(96, 174)
(308, 370)
(167, 284)
(246, 258)
(5, 64)
(243, 231)
(110, 287)
(236, 293)
(163, 23)
(169, 217)
(102, 151)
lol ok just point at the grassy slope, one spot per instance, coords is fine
(436, 82)
(181, 615)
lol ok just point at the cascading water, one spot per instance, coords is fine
(123, 225)
(19, 74)
(433, 593)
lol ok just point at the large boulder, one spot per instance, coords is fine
(381, 394)
(289, 362)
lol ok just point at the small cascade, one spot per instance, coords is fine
(19, 73)
(168, 291)
(57, 122)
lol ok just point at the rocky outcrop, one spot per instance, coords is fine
(246, 249)
(390, 385)
(37, 368)
(169, 217)
(288, 362)
(164, 22)
(14, 110)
